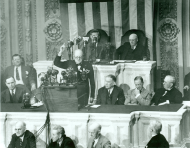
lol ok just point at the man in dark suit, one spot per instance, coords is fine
(139, 95)
(131, 50)
(59, 139)
(23, 75)
(169, 94)
(13, 94)
(110, 93)
(95, 47)
(158, 140)
(22, 137)
(97, 140)
(85, 74)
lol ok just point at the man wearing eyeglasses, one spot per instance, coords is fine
(169, 94)
(131, 50)
(85, 75)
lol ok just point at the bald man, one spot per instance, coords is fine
(131, 50)
(82, 80)
(22, 137)
(158, 140)
(97, 140)
(169, 94)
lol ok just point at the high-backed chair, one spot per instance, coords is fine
(142, 39)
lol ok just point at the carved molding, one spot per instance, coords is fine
(3, 30)
(52, 9)
(20, 28)
(168, 30)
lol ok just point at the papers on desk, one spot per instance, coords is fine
(142, 62)
(37, 104)
(95, 106)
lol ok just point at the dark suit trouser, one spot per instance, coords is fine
(83, 94)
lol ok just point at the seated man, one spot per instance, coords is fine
(24, 75)
(94, 48)
(131, 50)
(59, 139)
(97, 140)
(22, 137)
(83, 80)
(168, 94)
(13, 94)
(110, 93)
(186, 88)
(139, 95)
(157, 140)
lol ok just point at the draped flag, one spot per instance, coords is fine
(115, 17)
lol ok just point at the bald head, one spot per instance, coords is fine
(133, 39)
(95, 130)
(20, 128)
(169, 82)
(156, 127)
(78, 55)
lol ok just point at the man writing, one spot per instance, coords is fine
(22, 137)
(131, 50)
(82, 80)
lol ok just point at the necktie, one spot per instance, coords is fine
(109, 93)
(20, 142)
(17, 74)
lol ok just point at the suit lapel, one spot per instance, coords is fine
(104, 95)
(99, 143)
(114, 95)
(8, 96)
(24, 143)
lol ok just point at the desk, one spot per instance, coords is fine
(126, 73)
(121, 128)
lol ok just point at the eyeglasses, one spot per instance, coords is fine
(78, 57)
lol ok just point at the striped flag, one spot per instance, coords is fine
(115, 17)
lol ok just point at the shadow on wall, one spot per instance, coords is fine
(125, 88)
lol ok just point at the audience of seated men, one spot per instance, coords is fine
(131, 50)
(187, 88)
(158, 140)
(169, 94)
(97, 140)
(138, 95)
(110, 94)
(59, 139)
(24, 75)
(13, 94)
(22, 138)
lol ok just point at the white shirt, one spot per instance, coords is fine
(20, 75)
(22, 138)
(134, 47)
(96, 141)
(110, 89)
(14, 90)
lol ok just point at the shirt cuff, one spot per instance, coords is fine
(137, 95)
(59, 54)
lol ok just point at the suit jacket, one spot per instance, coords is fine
(158, 141)
(6, 97)
(28, 75)
(174, 96)
(187, 82)
(103, 142)
(126, 53)
(143, 99)
(117, 96)
(84, 64)
(89, 51)
(66, 143)
(28, 141)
